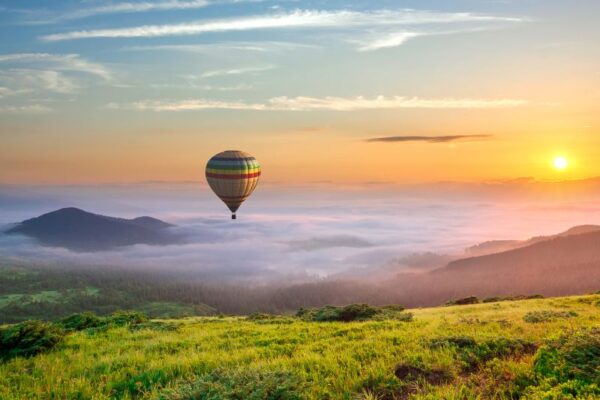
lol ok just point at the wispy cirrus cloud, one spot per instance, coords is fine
(260, 47)
(429, 139)
(387, 40)
(237, 71)
(295, 19)
(67, 62)
(326, 103)
(41, 16)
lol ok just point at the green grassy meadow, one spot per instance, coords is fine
(533, 349)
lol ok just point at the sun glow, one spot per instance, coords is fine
(560, 163)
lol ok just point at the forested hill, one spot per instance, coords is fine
(80, 230)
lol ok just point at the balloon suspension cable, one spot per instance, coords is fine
(233, 216)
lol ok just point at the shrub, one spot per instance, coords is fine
(535, 317)
(492, 299)
(512, 298)
(354, 312)
(458, 341)
(568, 368)
(89, 320)
(257, 316)
(473, 354)
(240, 385)
(81, 321)
(155, 326)
(410, 373)
(28, 339)
(121, 318)
(393, 307)
(573, 357)
(463, 301)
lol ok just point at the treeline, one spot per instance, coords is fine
(129, 289)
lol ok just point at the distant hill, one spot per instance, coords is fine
(497, 246)
(80, 230)
(566, 263)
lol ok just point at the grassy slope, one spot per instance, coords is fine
(334, 360)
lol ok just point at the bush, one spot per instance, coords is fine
(240, 385)
(512, 298)
(257, 316)
(573, 357)
(122, 318)
(457, 341)
(568, 368)
(473, 354)
(535, 317)
(354, 312)
(28, 339)
(463, 301)
(155, 326)
(89, 320)
(411, 373)
(393, 307)
(81, 321)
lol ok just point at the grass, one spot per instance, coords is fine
(478, 351)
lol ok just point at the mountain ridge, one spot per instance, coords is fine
(79, 230)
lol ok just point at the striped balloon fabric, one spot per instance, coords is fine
(232, 175)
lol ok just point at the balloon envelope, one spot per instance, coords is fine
(232, 175)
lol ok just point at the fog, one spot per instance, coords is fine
(296, 233)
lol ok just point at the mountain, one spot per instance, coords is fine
(560, 265)
(80, 230)
(497, 246)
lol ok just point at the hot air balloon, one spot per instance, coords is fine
(232, 175)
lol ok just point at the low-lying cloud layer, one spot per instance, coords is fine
(299, 233)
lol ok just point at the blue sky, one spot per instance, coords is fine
(251, 72)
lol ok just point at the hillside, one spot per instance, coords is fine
(79, 230)
(562, 265)
(497, 246)
(500, 351)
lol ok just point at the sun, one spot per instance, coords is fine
(560, 163)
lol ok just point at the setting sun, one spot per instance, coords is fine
(560, 163)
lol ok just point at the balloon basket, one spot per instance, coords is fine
(233, 216)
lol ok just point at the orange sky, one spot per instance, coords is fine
(97, 109)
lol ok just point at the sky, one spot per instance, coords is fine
(344, 92)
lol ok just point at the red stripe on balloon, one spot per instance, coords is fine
(227, 176)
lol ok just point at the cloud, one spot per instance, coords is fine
(327, 103)
(4, 92)
(68, 62)
(377, 40)
(324, 242)
(191, 85)
(33, 79)
(295, 19)
(29, 109)
(237, 71)
(430, 139)
(329, 229)
(389, 40)
(210, 48)
(40, 17)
